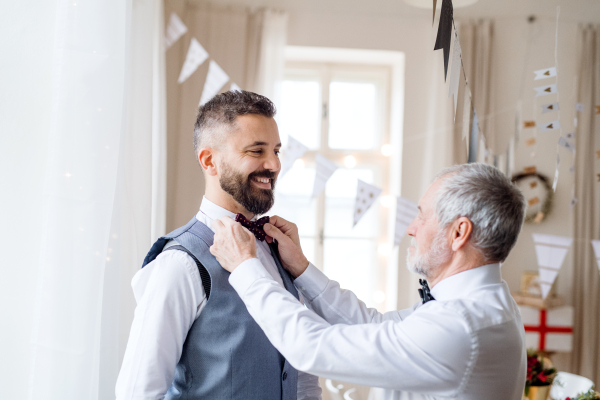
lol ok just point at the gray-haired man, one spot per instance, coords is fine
(465, 341)
(192, 337)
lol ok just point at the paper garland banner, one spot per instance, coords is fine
(544, 90)
(444, 33)
(579, 107)
(293, 151)
(596, 246)
(175, 30)
(544, 73)
(598, 154)
(215, 80)
(564, 143)
(366, 195)
(551, 252)
(528, 124)
(597, 109)
(196, 55)
(530, 142)
(323, 171)
(455, 73)
(234, 87)
(530, 170)
(570, 135)
(546, 108)
(406, 212)
(550, 126)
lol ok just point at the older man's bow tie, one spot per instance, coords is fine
(424, 291)
(256, 227)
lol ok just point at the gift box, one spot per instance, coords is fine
(548, 329)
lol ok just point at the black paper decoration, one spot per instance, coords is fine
(444, 34)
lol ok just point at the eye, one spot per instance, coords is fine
(256, 151)
(277, 152)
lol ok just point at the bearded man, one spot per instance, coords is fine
(192, 336)
(464, 340)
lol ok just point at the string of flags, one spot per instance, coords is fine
(551, 252)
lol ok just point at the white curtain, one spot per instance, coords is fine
(95, 203)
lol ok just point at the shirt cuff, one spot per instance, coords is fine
(246, 274)
(312, 282)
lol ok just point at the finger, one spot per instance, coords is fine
(284, 225)
(227, 221)
(274, 232)
(218, 225)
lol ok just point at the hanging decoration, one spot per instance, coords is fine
(175, 30)
(406, 212)
(323, 171)
(444, 33)
(596, 246)
(215, 80)
(551, 252)
(546, 108)
(293, 151)
(544, 73)
(545, 90)
(531, 176)
(366, 195)
(196, 55)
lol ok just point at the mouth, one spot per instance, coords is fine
(262, 183)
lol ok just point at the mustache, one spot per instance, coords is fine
(413, 242)
(262, 174)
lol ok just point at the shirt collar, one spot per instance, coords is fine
(465, 282)
(212, 211)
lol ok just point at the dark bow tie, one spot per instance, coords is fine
(256, 227)
(424, 291)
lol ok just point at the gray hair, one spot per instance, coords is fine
(488, 198)
(217, 116)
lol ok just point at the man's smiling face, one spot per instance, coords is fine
(249, 162)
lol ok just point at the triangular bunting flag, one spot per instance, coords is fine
(544, 90)
(175, 30)
(215, 80)
(596, 245)
(550, 126)
(444, 34)
(564, 143)
(466, 117)
(544, 73)
(293, 151)
(323, 171)
(196, 55)
(455, 73)
(366, 195)
(546, 108)
(551, 252)
(406, 212)
(234, 87)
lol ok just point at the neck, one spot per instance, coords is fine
(461, 261)
(225, 200)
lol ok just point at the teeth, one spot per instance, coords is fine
(263, 180)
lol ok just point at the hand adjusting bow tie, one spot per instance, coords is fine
(256, 227)
(424, 291)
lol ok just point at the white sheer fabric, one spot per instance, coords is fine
(95, 219)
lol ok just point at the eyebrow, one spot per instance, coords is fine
(258, 143)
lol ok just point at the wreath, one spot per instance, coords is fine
(541, 215)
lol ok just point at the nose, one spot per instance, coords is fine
(412, 228)
(272, 163)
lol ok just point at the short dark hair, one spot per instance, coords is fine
(221, 112)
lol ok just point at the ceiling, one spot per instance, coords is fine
(571, 10)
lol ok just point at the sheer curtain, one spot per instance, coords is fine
(586, 281)
(94, 216)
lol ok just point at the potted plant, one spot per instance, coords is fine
(589, 395)
(540, 375)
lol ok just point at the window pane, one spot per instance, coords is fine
(352, 115)
(352, 263)
(293, 202)
(339, 205)
(308, 247)
(300, 113)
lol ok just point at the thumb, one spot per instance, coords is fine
(274, 232)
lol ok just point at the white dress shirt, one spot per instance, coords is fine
(467, 344)
(170, 296)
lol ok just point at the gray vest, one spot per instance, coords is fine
(226, 355)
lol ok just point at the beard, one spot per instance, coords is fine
(427, 263)
(256, 200)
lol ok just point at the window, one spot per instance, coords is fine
(342, 111)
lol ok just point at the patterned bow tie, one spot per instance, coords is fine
(424, 291)
(256, 227)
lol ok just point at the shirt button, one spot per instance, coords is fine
(284, 376)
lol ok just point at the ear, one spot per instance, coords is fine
(206, 158)
(461, 232)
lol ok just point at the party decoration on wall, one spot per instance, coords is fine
(528, 124)
(406, 212)
(530, 170)
(455, 73)
(546, 108)
(597, 109)
(564, 143)
(579, 107)
(175, 30)
(366, 195)
(466, 116)
(570, 135)
(445, 32)
(598, 154)
(234, 87)
(293, 151)
(544, 90)
(551, 251)
(323, 171)
(536, 180)
(544, 73)
(196, 55)
(215, 80)
(530, 142)
(548, 329)
(550, 126)
(596, 246)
